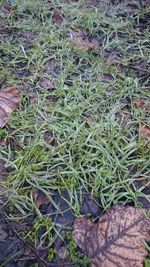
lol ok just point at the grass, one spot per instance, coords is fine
(92, 145)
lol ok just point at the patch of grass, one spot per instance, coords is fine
(98, 149)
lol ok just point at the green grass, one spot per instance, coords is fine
(98, 150)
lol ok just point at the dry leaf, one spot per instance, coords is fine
(144, 130)
(40, 198)
(47, 84)
(57, 17)
(81, 40)
(8, 8)
(9, 101)
(50, 139)
(142, 103)
(137, 102)
(125, 113)
(116, 240)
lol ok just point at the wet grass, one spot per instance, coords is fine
(77, 128)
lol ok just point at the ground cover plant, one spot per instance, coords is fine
(78, 141)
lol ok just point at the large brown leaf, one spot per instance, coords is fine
(116, 240)
(9, 101)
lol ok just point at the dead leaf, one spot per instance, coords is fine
(47, 84)
(116, 240)
(9, 101)
(142, 103)
(62, 253)
(91, 206)
(8, 8)
(19, 227)
(2, 141)
(137, 102)
(144, 130)
(125, 113)
(3, 176)
(40, 198)
(34, 99)
(82, 41)
(3, 171)
(57, 17)
(50, 139)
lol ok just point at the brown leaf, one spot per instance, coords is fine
(144, 130)
(2, 168)
(8, 8)
(9, 101)
(40, 198)
(116, 240)
(137, 102)
(81, 40)
(3, 176)
(19, 227)
(142, 103)
(47, 84)
(125, 113)
(57, 17)
(50, 139)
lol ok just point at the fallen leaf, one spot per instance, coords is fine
(123, 116)
(47, 84)
(63, 214)
(50, 139)
(142, 103)
(116, 240)
(3, 176)
(125, 112)
(3, 170)
(8, 8)
(62, 253)
(19, 227)
(2, 141)
(34, 99)
(57, 17)
(40, 198)
(144, 130)
(82, 41)
(137, 102)
(90, 206)
(9, 101)
(112, 57)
